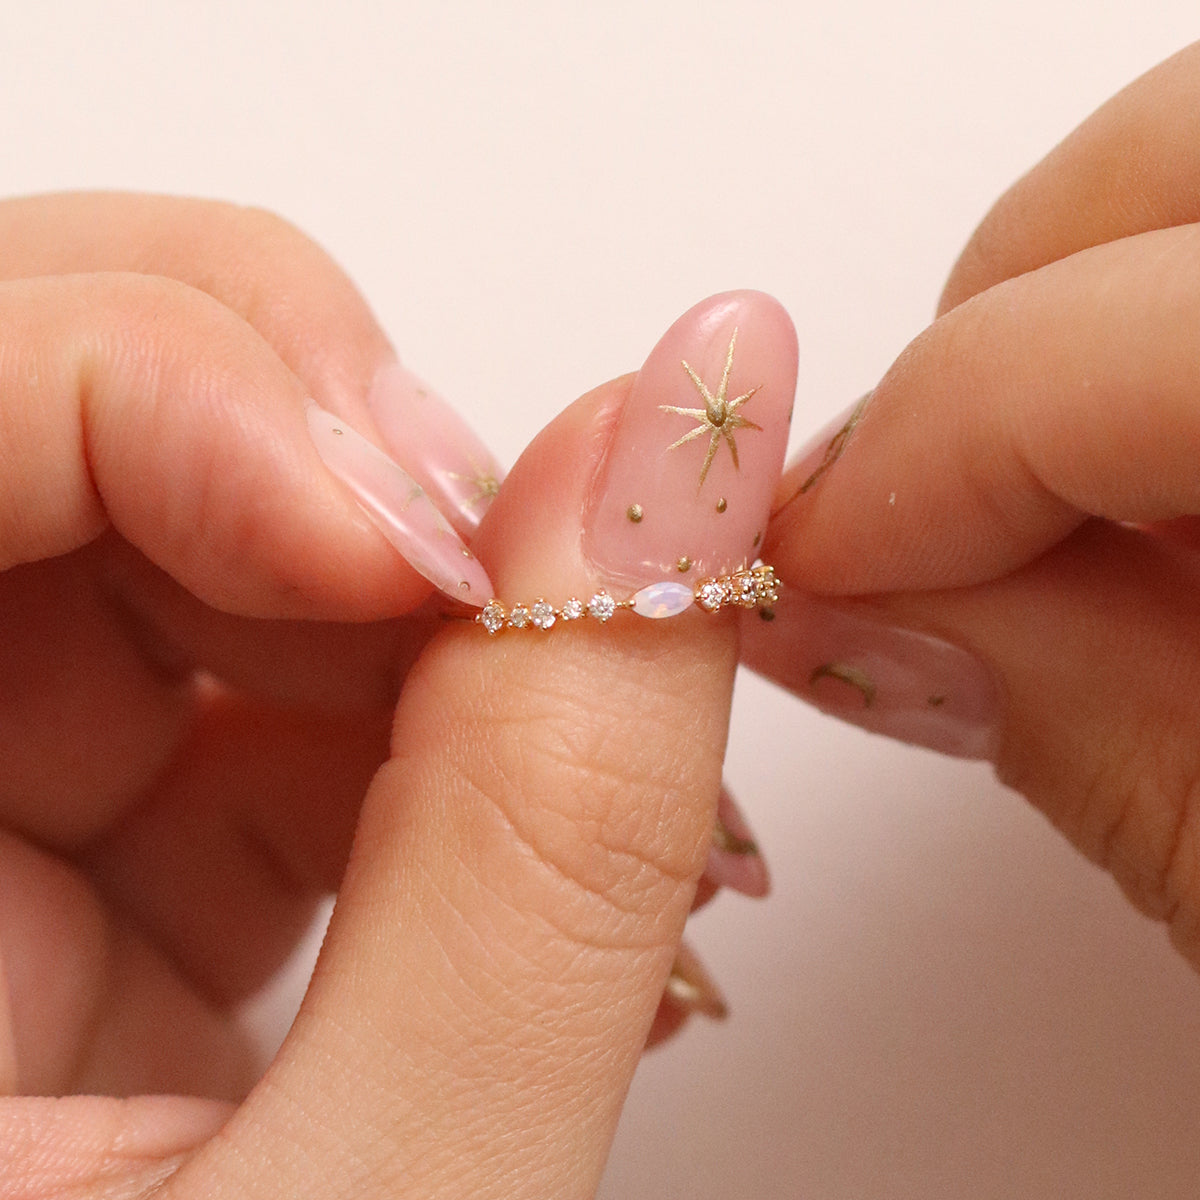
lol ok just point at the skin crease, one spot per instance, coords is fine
(1103, 745)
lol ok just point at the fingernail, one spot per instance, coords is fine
(734, 859)
(691, 987)
(904, 683)
(685, 487)
(399, 507)
(824, 449)
(435, 445)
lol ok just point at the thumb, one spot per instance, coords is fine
(526, 860)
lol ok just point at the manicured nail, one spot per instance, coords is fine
(904, 683)
(734, 860)
(398, 505)
(691, 987)
(823, 450)
(685, 488)
(435, 445)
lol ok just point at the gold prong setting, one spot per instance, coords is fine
(753, 587)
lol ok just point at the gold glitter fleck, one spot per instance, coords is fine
(726, 840)
(684, 564)
(634, 513)
(484, 481)
(757, 538)
(722, 504)
(847, 674)
(837, 444)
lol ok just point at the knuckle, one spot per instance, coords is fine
(1139, 818)
(262, 231)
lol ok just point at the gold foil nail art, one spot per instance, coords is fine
(718, 418)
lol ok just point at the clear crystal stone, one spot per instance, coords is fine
(711, 594)
(572, 610)
(542, 614)
(492, 617)
(602, 606)
(765, 589)
(665, 599)
(519, 617)
(744, 592)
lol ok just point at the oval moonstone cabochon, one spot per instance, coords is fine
(665, 599)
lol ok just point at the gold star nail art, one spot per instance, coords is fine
(718, 418)
(486, 485)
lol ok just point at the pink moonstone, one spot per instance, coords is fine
(663, 599)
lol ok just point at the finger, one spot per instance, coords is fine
(525, 863)
(144, 405)
(338, 668)
(289, 291)
(255, 263)
(1064, 393)
(221, 867)
(141, 404)
(83, 989)
(1094, 705)
(99, 1146)
(185, 906)
(1131, 167)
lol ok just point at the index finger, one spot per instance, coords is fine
(257, 264)
(1064, 393)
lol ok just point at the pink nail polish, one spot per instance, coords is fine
(691, 987)
(734, 860)
(685, 488)
(823, 450)
(435, 445)
(399, 507)
(906, 684)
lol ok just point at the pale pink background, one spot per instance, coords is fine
(940, 1000)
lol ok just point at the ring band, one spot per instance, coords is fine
(754, 587)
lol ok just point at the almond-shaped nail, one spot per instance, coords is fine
(399, 507)
(734, 859)
(435, 445)
(905, 683)
(685, 489)
(691, 988)
(823, 450)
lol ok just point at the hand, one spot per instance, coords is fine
(1011, 519)
(204, 638)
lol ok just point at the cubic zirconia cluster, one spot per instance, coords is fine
(755, 587)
